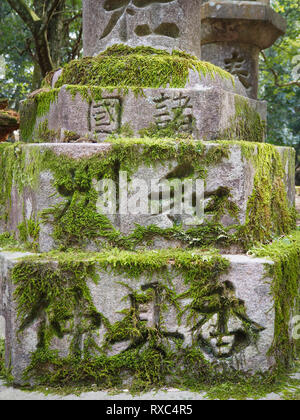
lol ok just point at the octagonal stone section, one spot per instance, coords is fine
(206, 111)
(165, 24)
(231, 178)
(246, 22)
(230, 345)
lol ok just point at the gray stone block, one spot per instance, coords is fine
(158, 24)
(232, 178)
(242, 343)
(208, 110)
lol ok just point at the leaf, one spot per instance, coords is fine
(112, 22)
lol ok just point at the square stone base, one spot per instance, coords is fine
(117, 304)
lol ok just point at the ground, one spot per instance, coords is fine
(289, 390)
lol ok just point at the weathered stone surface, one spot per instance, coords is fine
(159, 24)
(240, 60)
(233, 34)
(231, 178)
(206, 111)
(287, 154)
(243, 21)
(2, 327)
(230, 345)
(16, 353)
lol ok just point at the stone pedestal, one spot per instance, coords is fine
(233, 34)
(241, 340)
(206, 111)
(140, 231)
(64, 201)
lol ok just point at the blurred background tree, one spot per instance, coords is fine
(36, 37)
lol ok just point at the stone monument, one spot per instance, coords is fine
(234, 33)
(140, 187)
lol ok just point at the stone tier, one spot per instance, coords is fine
(235, 32)
(206, 111)
(133, 193)
(126, 314)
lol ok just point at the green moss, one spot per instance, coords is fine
(44, 135)
(2, 356)
(19, 167)
(7, 240)
(221, 204)
(44, 101)
(54, 288)
(207, 235)
(29, 231)
(28, 113)
(70, 136)
(268, 212)
(285, 253)
(33, 108)
(143, 67)
(76, 220)
(246, 124)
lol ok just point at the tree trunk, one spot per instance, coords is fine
(57, 35)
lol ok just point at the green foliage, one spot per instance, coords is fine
(17, 79)
(18, 47)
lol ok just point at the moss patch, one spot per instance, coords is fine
(76, 220)
(285, 289)
(246, 124)
(33, 108)
(53, 288)
(268, 212)
(144, 67)
(2, 356)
